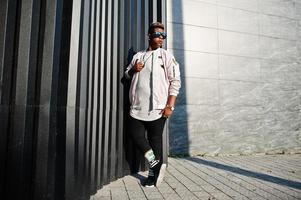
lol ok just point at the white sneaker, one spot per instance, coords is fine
(161, 175)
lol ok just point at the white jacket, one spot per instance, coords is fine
(170, 85)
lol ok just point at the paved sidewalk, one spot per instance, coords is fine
(271, 177)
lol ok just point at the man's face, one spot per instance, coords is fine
(155, 40)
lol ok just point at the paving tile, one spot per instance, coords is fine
(220, 196)
(203, 195)
(216, 178)
(171, 196)
(166, 190)
(270, 187)
(136, 194)
(102, 198)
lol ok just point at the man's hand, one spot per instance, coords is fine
(166, 112)
(138, 66)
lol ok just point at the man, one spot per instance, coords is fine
(155, 83)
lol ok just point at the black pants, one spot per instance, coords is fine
(154, 130)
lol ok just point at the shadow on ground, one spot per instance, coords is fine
(248, 173)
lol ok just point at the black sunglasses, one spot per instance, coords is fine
(158, 34)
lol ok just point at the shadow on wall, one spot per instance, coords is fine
(178, 126)
(132, 155)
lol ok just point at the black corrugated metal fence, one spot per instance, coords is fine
(62, 101)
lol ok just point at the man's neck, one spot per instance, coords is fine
(150, 48)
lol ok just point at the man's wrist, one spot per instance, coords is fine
(171, 107)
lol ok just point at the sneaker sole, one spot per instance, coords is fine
(161, 175)
(149, 186)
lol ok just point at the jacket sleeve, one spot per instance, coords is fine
(132, 63)
(173, 72)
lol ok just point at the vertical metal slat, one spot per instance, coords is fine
(101, 94)
(114, 82)
(71, 98)
(107, 116)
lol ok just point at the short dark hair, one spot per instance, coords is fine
(155, 25)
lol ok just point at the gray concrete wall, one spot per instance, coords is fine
(241, 73)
